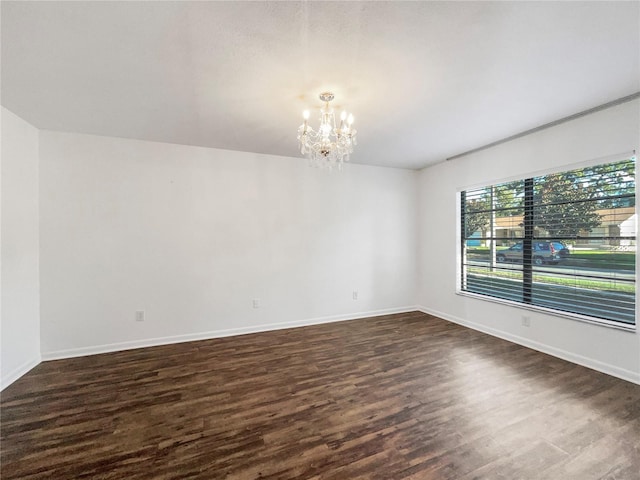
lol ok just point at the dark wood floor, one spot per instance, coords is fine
(404, 396)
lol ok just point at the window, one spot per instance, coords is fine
(564, 241)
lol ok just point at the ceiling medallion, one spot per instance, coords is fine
(329, 146)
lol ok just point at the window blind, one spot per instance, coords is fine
(564, 241)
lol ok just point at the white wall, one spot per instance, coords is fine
(20, 307)
(192, 235)
(612, 131)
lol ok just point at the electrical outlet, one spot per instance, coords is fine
(355, 294)
(139, 315)
(526, 321)
(256, 303)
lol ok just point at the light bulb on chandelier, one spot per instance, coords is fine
(329, 146)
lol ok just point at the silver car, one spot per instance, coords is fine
(543, 252)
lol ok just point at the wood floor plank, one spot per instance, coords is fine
(406, 396)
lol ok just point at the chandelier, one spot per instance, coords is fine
(329, 146)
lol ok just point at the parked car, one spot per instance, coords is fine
(561, 248)
(543, 252)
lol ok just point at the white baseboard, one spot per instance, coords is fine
(18, 372)
(609, 369)
(597, 365)
(152, 342)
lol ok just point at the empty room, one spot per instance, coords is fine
(382, 240)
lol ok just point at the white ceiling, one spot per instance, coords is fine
(425, 80)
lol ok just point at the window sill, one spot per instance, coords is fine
(549, 311)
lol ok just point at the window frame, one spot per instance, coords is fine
(460, 266)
